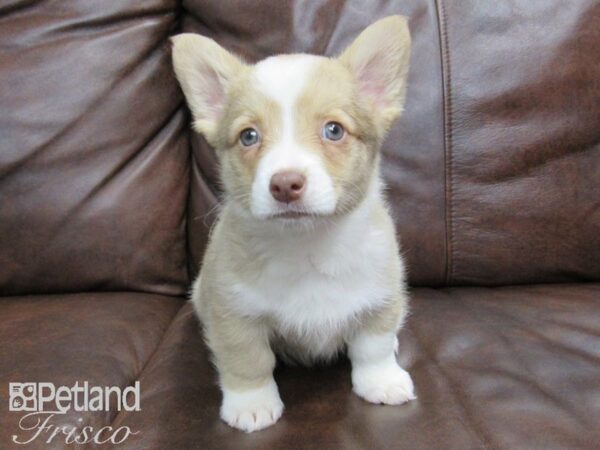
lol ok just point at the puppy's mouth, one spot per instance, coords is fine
(292, 215)
(297, 213)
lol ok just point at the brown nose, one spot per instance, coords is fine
(287, 186)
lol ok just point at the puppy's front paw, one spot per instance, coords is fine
(252, 410)
(384, 382)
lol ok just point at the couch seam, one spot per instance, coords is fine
(188, 200)
(448, 141)
(176, 29)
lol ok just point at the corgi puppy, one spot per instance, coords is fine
(303, 261)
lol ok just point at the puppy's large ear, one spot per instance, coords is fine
(379, 59)
(204, 70)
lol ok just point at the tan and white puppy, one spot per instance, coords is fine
(303, 261)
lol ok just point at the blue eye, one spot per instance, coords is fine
(333, 131)
(249, 137)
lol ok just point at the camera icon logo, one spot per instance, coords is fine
(22, 397)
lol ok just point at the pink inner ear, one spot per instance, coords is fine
(372, 80)
(215, 97)
(213, 92)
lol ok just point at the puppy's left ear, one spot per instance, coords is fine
(379, 59)
(204, 70)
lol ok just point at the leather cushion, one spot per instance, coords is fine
(523, 140)
(93, 149)
(103, 338)
(510, 367)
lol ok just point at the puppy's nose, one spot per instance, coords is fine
(287, 186)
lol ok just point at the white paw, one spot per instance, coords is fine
(252, 410)
(384, 382)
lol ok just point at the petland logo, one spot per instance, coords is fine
(42, 402)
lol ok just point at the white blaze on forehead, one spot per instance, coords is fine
(283, 79)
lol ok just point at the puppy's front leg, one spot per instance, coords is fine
(245, 363)
(376, 376)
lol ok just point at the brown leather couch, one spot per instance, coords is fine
(106, 197)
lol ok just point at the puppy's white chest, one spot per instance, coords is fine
(308, 286)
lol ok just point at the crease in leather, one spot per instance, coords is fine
(110, 21)
(534, 162)
(446, 77)
(559, 402)
(118, 414)
(161, 128)
(176, 28)
(9, 169)
(135, 64)
(458, 396)
(214, 189)
(576, 327)
(332, 29)
(199, 179)
(546, 341)
(17, 7)
(188, 198)
(191, 14)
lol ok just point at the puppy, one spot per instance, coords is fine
(303, 261)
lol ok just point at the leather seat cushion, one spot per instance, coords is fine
(511, 367)
(103, 338)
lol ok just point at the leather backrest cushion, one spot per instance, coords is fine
(494, 168)
(523, 140)
(93, 148)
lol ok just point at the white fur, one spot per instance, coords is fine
(252, 409)
(376, 376)
(282, 80)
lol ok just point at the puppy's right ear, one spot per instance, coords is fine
(204, 70)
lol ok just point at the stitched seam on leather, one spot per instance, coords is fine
(447, 102)
(148, 360)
